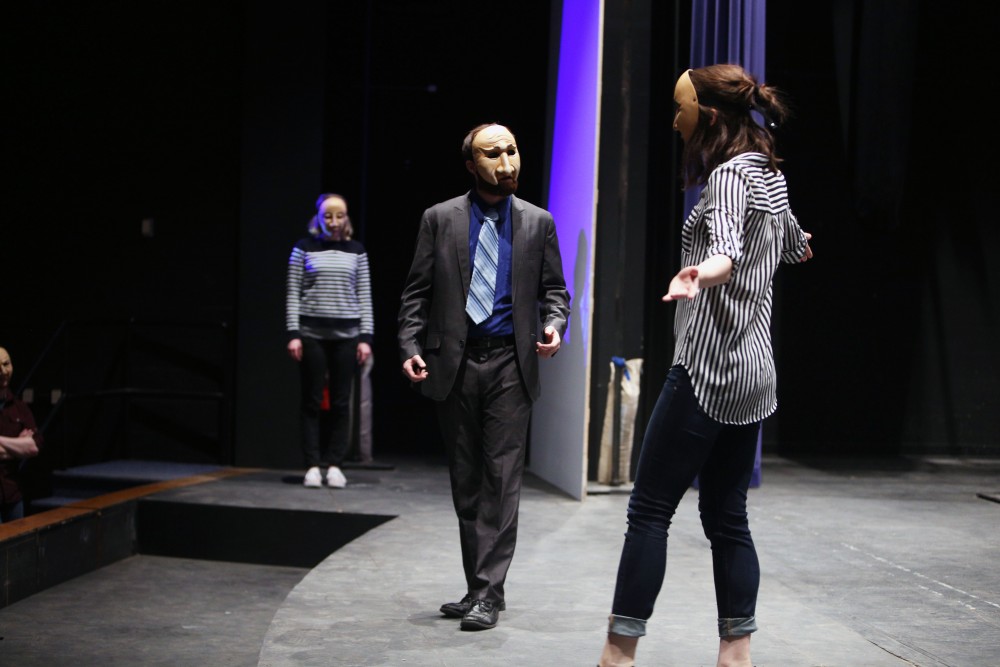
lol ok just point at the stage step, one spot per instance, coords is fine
(89, 481)
(136, 517)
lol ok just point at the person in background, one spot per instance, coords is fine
(19, 440)
(486, 278)
(330, 325)
(722, 381)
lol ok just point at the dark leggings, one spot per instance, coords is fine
(338, 360)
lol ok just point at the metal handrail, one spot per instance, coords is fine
(127, 392)
(26, 382)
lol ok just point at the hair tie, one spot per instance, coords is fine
(768, 122)
(755, 105)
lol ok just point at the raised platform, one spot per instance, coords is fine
(79, 536)
(114, 510)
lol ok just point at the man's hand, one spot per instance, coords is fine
(21, 447)
(415, 369)
(295, 349)
(809, 250)
(551, 344)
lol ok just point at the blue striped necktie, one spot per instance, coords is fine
(479, 306)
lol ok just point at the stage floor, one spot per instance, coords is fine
(863, 564)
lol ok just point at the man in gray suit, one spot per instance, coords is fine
(476, 356)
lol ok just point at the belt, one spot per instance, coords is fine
(489, 342)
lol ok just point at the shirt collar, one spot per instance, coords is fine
(502, 207)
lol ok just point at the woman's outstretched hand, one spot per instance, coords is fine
(684, 285)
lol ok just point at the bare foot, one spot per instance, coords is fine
(619, 651)
(734, 652)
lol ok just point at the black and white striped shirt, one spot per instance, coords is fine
(723, 335)
(329, 291)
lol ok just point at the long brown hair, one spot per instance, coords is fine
(733, 93)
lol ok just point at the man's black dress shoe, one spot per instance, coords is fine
(483, 615)
(462, 607)
(457, 609)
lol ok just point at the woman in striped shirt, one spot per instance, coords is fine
(722, 381)
(328, 315)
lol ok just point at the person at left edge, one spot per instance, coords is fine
(20, 439)
(483, 377)
(330, 326)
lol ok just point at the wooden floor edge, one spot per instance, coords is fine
(36, 522)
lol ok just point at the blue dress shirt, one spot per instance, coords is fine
(501, 322)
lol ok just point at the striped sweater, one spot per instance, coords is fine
(723, 335)
(329, 291)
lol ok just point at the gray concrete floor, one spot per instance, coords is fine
(863, 565)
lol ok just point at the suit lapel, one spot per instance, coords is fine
(460, 225)
(517, 241)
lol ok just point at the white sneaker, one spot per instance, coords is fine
(313, 479)
(335, 478)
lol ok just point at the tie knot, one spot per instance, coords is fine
(491, 215)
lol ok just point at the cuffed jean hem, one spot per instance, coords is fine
(737, 627)
(626, 626)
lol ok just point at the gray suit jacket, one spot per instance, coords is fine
(432, 319)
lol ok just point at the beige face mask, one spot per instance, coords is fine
(6, 369)
(496, 160)
(686, 106)
(333, 212)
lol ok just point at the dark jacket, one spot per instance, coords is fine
(432, 319)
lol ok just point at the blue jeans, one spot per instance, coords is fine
(682, 442)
